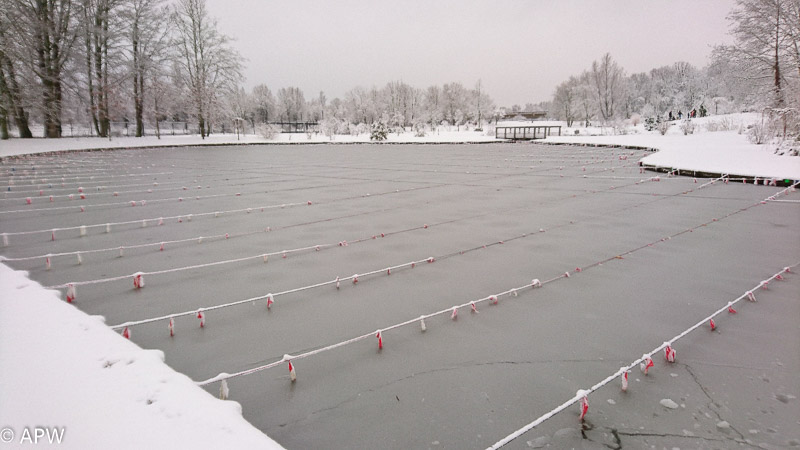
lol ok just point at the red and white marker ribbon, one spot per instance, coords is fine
(645, 365)
(202, 318)
(292, 373)
(270, 301)
(712, 324)
(624, 379)
(171, 326)
(474, 309)
(454, 314)
(71, 294)
(126, 333)
(669, 353)
(730, 308)
(138, 280)
(380, 340)
(584, 404)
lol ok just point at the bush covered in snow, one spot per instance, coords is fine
(379, 131)
(328, 127)
(687, 126)
(419, 129)
(721, 124)
(760, 132)
(267, 131)
(651, 123)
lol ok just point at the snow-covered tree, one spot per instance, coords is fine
(454, 102)
(482, 104)
(208, 66)
(147, 49)
(46, 32)
(565, 100)
(12, 96)
(607, 78)
(765, 46)
(291, 104)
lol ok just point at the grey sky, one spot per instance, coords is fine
(520, 49)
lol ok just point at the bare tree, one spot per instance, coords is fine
(454, 102)
(147, 42)
(765, 40)
(264, 103)
(565, 100)
(207, 65)
(434, 105)
(291, 103)
(607, 79)
(101, 35)
(12, 103)
(585, 98)
(46, 29)
(482, 103)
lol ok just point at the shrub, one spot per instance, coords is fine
(267, 131)
(687, 126)
(329, 127)
(662, 127)
(759, 133)
(379, 131)
(419, 129)
(723, 124)
(651, 123)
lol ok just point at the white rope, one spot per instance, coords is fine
(231, 211)
(261, 297)
(624, 369)
(128, 202)
(180, 269)
(449, 310)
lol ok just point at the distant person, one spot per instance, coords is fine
(671, 117)
(703, 110)
(680, 114)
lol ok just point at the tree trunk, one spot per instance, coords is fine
(10, 90)
(3, 123)
(777, 67)
(89, 79)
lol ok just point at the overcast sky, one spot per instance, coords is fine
(520, 49)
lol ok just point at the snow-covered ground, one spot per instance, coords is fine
(727, 152)
(28, 146)
(65, 370)
(719, 152)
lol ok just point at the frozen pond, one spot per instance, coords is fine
(493, 217)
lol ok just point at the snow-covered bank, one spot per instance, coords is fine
(724, 152)
(716, 152)
(62, 368)
(720, 152)
(14, 147)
